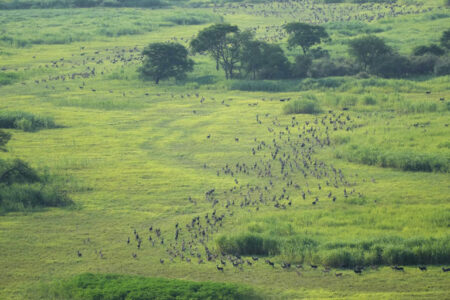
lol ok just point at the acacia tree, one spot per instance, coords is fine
(305, 35)
(368, 49)
(223, 43)
(165, 60)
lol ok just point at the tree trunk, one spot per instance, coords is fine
(157, 80)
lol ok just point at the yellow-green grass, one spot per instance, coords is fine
(131, 161)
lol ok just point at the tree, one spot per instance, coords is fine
(263, 60)
(223, 42)
(305, 35)
(368, 49)
(165, 60)
(445, 39)
(4, 139)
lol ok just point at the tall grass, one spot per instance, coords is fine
(302, 106)
(399, 159)
(99, 286)
(25, 121)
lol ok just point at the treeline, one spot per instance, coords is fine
(28, 4)
(241, 56)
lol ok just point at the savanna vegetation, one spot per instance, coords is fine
(224, 150)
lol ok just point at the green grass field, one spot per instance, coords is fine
(131, 154)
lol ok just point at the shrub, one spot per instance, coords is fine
(369, 100)
(247, 244)
(25, 121)
(391, 66)
(302, 106)
(422, 65)
(17, 171)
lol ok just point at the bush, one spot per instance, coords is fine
(433, 49)
(17, 171)
(247, 244)
(391, 66)
(25, 121)
(302, 106)
(100, 286)
(422, 65)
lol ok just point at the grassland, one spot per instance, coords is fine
(131, 154)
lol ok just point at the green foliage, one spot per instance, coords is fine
(367, 50)
(327, 68)
(223, 43)
(25, 121)
(27, 4)
(391, 66)
(165, 60)
(305, 35)
(247, 244)
(302, 106)
(98, 286)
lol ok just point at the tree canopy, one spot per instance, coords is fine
(165, 60)
(223, 42)
(305, 35)
(368, 49)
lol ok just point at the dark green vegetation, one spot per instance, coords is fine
(165, 60)
(98, 287)
(22, 188)
(318, 180)
(25, 121)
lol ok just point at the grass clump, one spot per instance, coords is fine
(99, 286)
(247, 244)
(302, 106)
(25, 121)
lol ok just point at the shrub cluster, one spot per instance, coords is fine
(99, 286)
(23, 188)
